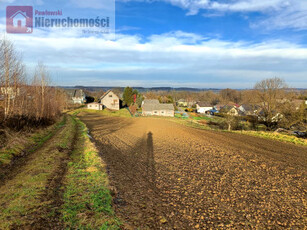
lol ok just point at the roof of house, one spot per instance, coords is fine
(151, 101)
(204, 104)
(106, 93)
(233, 104)
(157, 106)
(228, 107)
(247, 107)
(75, 92)
(79, 93)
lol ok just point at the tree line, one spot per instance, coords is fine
(274, 102)
(26, 100)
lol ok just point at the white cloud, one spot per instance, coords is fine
(294, 16)
(250, 5)
(176, 57)
(193, 6)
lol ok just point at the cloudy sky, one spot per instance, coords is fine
(179, 43)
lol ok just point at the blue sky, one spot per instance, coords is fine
(179, 43)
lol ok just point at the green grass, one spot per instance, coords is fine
(191, 123)
(88, 202)
(105, 112)
(276, 136)
(20, 197)
(29, 144)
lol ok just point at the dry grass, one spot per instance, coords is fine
(21, 143)
(276, 136)
(20, 197)
(106, 112)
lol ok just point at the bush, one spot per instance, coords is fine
(133, 109)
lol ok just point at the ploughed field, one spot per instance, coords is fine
(169, 176)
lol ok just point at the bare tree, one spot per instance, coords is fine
(270, 94)
(25, 103)
(11, 77)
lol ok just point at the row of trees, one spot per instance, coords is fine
(25, 100)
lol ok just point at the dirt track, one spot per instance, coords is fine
(31, 193)
(168, 176)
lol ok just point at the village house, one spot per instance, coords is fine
(155, 108)
(247, 109)
(182, 103)
(230, 110)
(233, 112)
(76, 96)
(95, 106)
(110, 101)
(150, 101)
(185, 103)
(218, 106)
(203, 107)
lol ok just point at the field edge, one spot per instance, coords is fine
(87, 197)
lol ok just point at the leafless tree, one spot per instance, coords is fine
(270, 94)
(26, 100)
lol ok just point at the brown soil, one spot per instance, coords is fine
(169, 176)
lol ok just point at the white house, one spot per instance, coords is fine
(110, 100)
(76, 96)
(79, 97)
(155, 108)
(203, 107)
(95, 106)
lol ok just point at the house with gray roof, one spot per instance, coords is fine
(76, 96)
(155, 108)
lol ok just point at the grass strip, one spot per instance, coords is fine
(20, 197)
(31, 144)
(106, 112)
(276, 136)
(87, 199)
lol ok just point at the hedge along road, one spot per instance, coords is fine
(169, 176)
